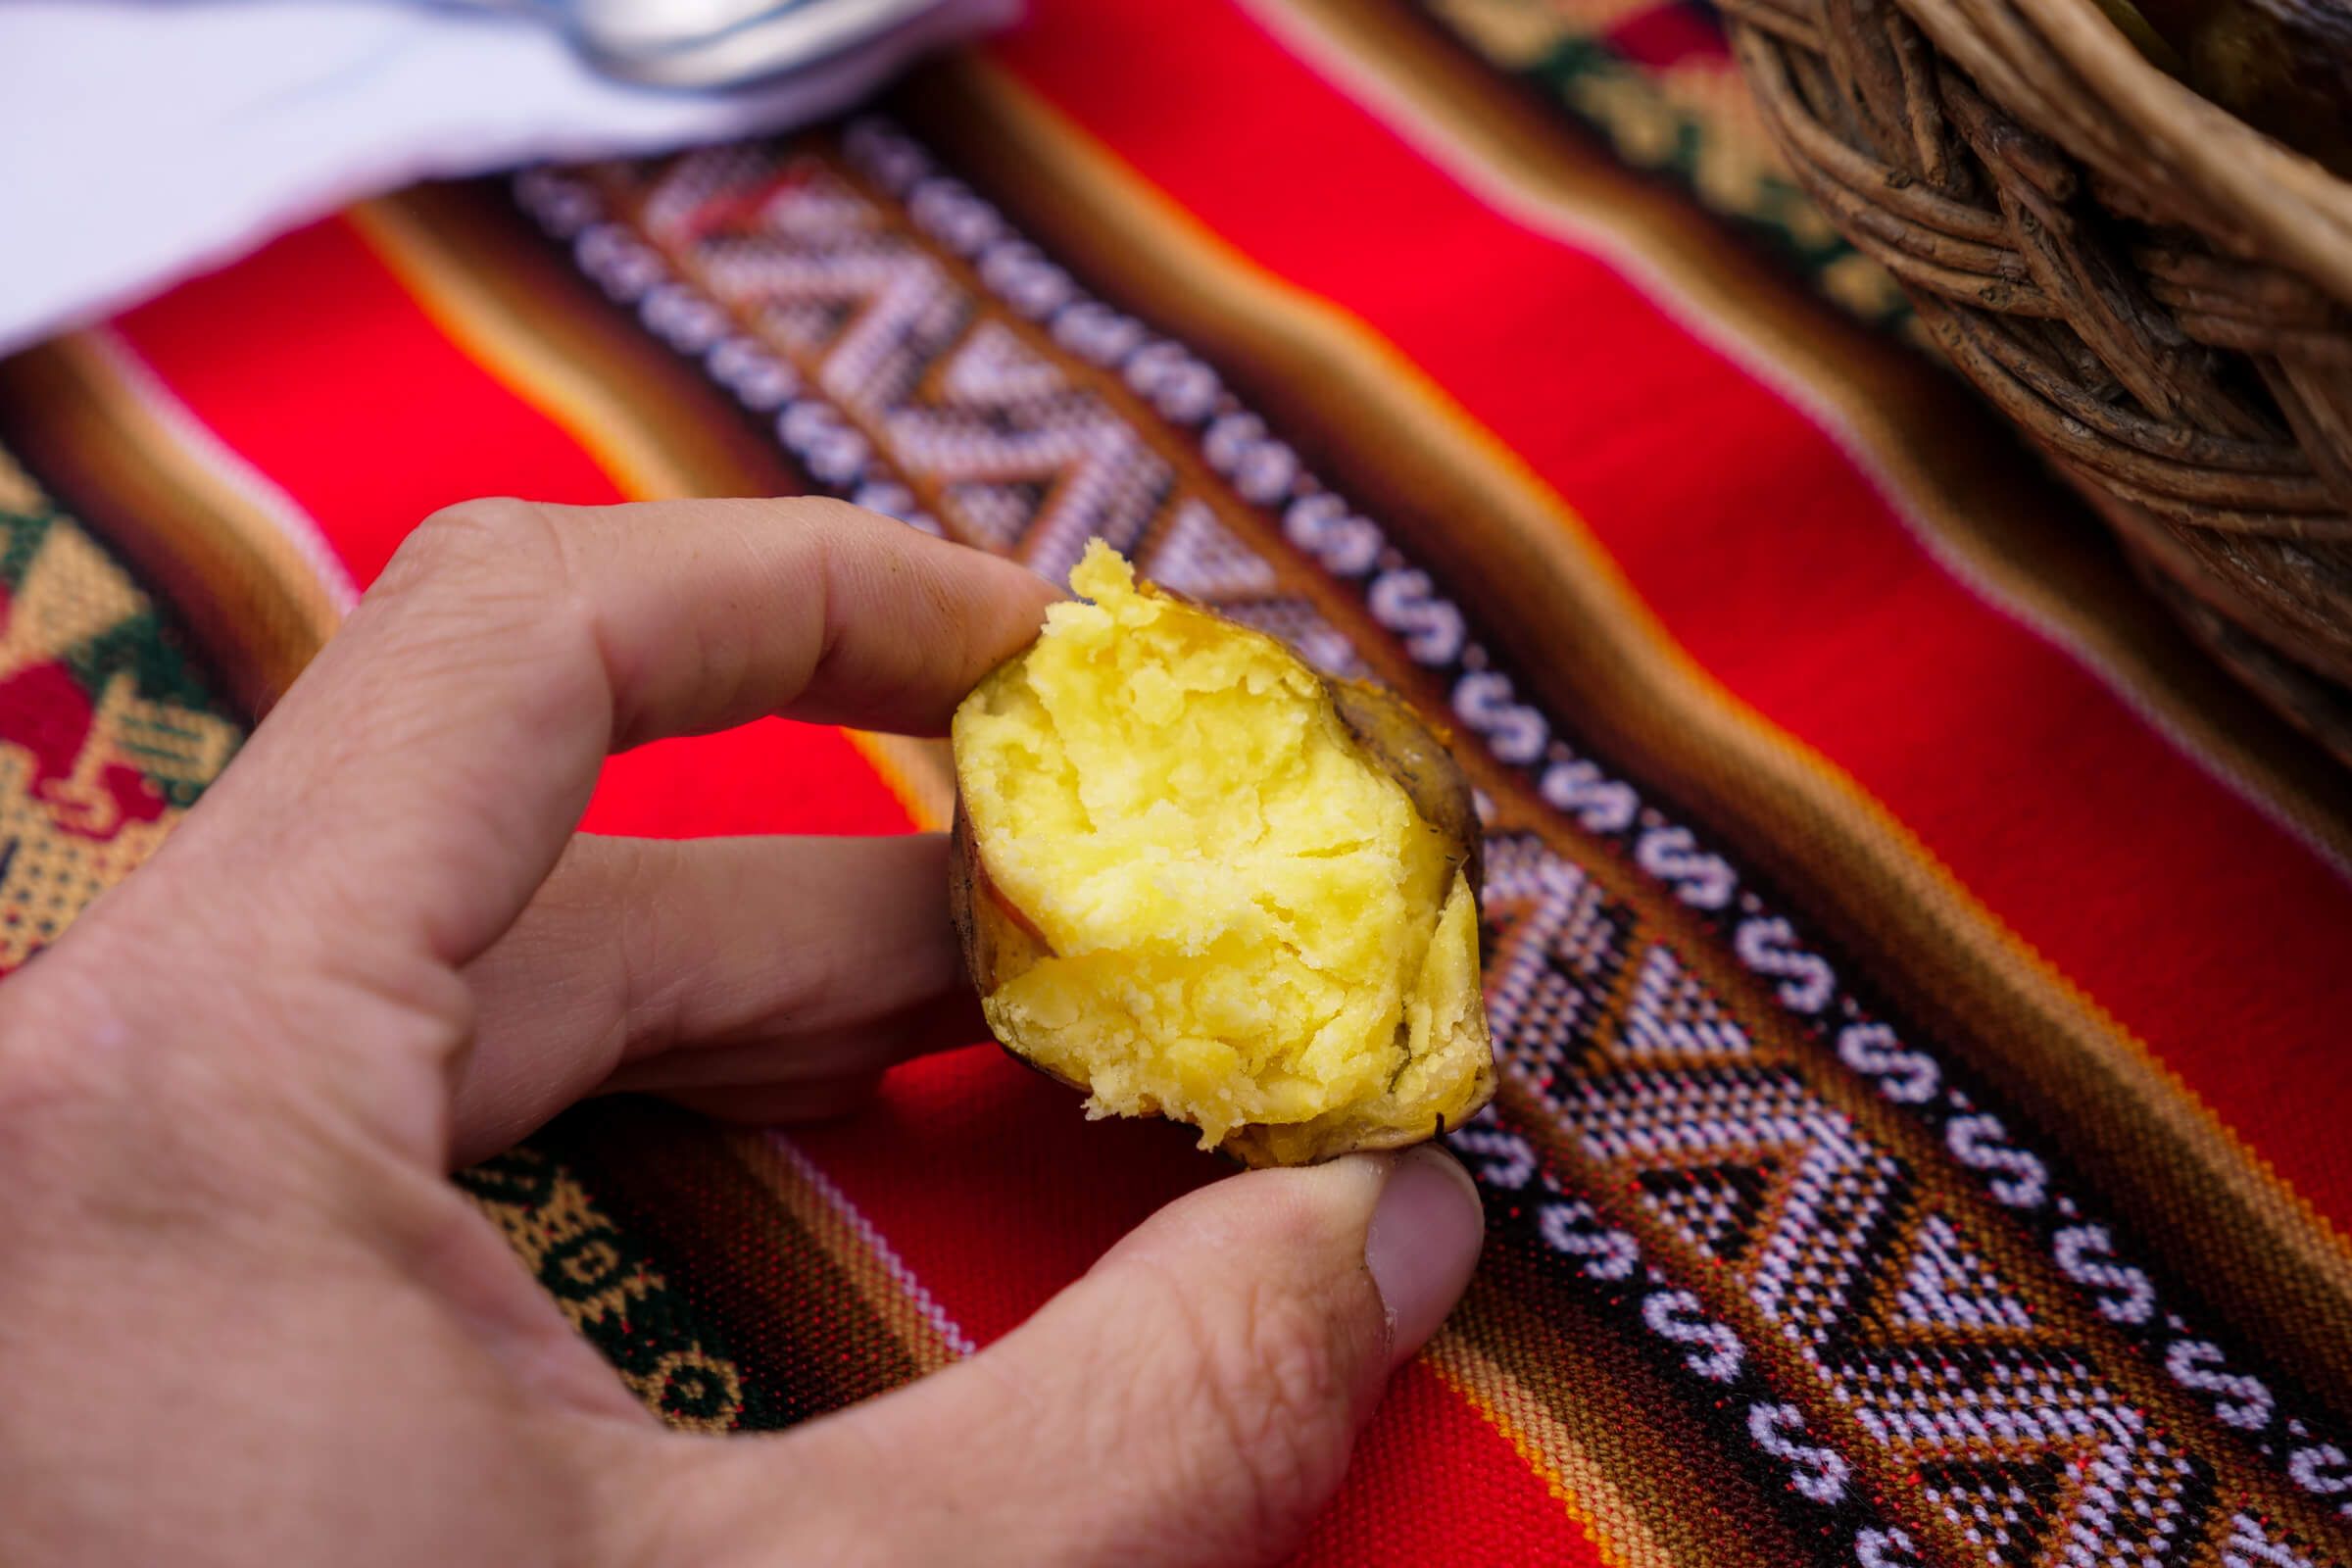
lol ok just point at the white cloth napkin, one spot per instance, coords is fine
(143, 140)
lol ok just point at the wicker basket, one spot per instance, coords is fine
(2160, 295)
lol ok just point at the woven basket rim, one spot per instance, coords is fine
(2067, 72)
(2156, 293)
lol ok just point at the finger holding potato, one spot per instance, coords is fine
(1197, 880)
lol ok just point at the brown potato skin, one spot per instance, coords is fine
(1258, 1146)
(1001, 943)
(1396, 739)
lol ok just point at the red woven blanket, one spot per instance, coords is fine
(1920, 981)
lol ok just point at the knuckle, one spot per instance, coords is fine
(496, 570)
(829, 513)
(456, 541)
(492, 521)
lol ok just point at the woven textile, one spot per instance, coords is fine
(1655, 78)
(108, 734)
(1918, 977)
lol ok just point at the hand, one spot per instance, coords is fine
(244, 1318)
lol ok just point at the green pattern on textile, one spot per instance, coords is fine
(186, 731)
(145, 646)
(1691, 124)
(24, 533)
(613, 1288)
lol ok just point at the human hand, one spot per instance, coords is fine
(245, 1318)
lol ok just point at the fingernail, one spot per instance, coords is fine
(1423, 1242)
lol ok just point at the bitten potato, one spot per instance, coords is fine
(1195, 879)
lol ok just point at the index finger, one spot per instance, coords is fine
(421, 778)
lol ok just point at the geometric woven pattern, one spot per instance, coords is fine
(1009, 450)
(105, 735)
(1779, 1221)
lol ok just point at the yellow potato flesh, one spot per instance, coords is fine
(1248, 922)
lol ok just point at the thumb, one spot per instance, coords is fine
(1192, 1399)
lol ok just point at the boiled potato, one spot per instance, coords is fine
(1195, 879)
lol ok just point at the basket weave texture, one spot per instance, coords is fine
(2159, 295)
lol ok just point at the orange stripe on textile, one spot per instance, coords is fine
(311, 360)
(2203, 928)
(315, 364)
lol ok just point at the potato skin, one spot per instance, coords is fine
(1001, 943)
(1261, 1146)
(1396, 739)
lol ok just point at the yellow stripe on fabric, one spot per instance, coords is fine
(589, 410)
(1347, 41)
(1748, 753)
(917, 773)
(1548, 1451)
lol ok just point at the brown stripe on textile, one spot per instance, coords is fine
(801, 1329)
(255, 610)
(1691, 122)
(1590, 1498)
